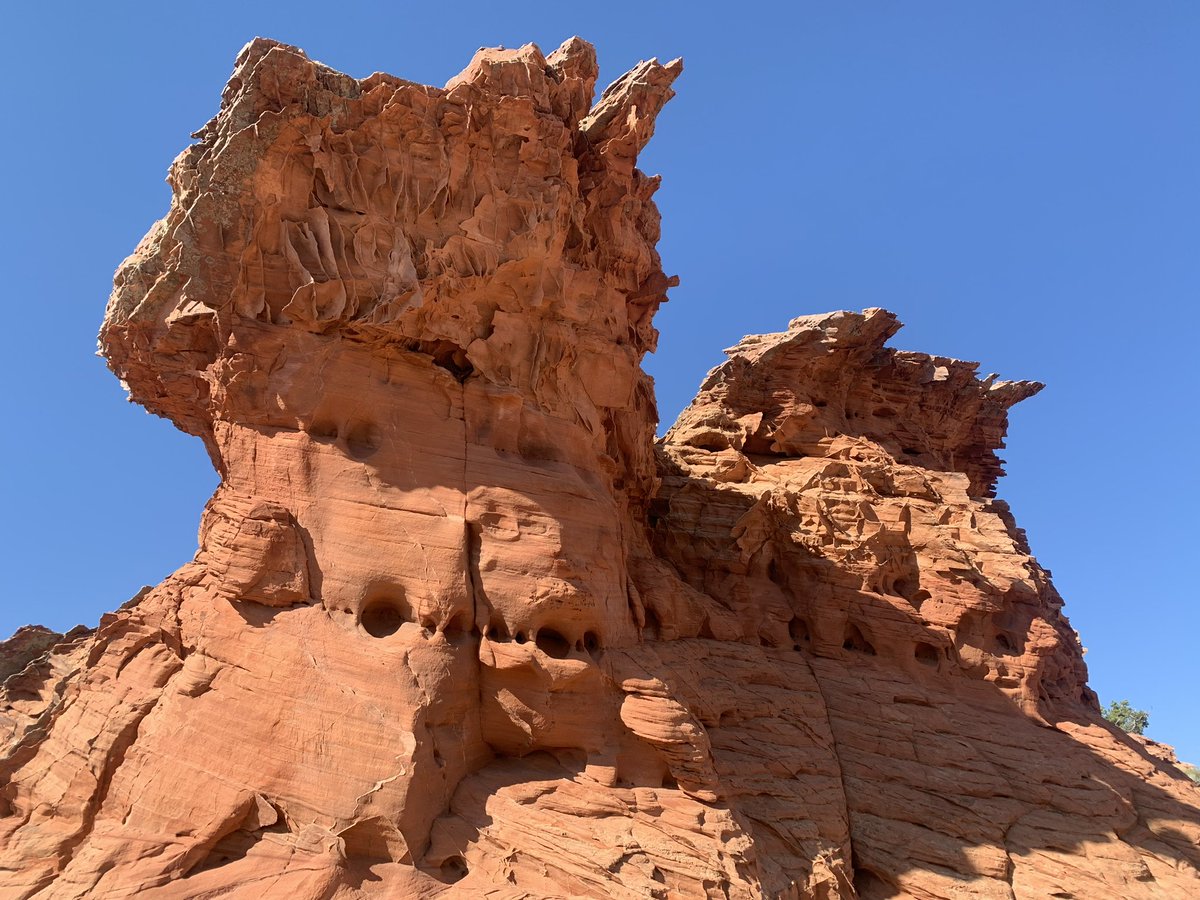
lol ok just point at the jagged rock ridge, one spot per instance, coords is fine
(459, 625)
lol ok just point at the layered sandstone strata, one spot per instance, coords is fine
(459, 626)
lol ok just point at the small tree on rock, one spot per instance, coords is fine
(1125, 717)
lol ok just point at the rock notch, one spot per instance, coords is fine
(460, 626)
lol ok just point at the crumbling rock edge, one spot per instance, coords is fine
(460, 626)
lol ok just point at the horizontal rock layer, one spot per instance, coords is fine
(460, 626)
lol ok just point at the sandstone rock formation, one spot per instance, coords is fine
(459, 626)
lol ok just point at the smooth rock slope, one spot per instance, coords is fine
(460, 626)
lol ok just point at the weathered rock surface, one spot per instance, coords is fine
(24, 647)
(34, 664)
(459, 626)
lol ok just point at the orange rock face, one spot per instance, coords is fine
(460, 626)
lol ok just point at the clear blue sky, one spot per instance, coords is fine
(1020, 181)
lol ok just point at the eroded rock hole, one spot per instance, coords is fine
(910, 590)
(521, 637)
(457, 365)
(497, 632)
(591, 643)
(868, 885)
(799, 632)
(653, 628)
(381, 618)
(710, 440)
(927, 654)
(362, 440)
(574, 238)
(456, 627)
(449, 356)
(552, 643)
(454, 869)
(856, 642)
(1005, 644)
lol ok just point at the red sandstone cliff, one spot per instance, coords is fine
(459, 626)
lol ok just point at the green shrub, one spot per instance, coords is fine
(1125, 717)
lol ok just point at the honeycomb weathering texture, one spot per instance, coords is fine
(460, 626)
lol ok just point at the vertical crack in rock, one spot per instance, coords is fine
(458, 622)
